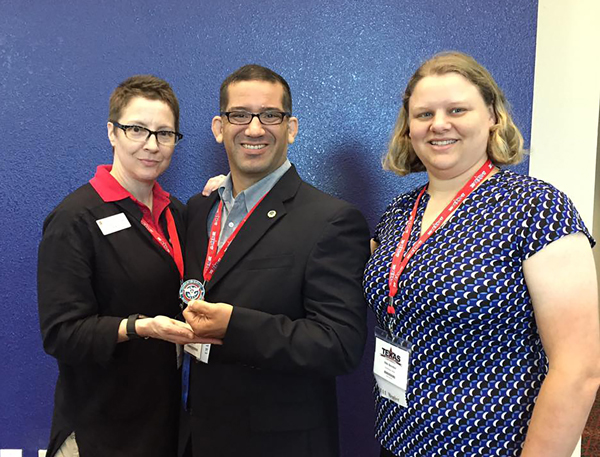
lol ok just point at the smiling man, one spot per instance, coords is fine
(282, 265)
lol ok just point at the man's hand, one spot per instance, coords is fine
(208, 320)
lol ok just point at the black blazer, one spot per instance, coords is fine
(299, 320)
(120, 399)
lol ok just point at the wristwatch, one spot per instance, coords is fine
(131, 333)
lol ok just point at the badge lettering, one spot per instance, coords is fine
(391, 355)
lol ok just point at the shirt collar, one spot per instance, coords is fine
(256, 191)
(110, 190)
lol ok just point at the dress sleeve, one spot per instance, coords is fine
(549, 216)
(73, 330)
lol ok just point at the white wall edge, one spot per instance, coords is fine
(566, 103)
(566, 99)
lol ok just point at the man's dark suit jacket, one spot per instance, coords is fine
(298, 321)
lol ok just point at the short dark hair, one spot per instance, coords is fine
(255, 73)
(146, 86)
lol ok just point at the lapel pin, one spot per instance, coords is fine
(271, 214)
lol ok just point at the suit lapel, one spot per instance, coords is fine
(270, 210)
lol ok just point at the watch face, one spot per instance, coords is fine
(192, 289)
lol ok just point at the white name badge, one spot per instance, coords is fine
(198, 350)
(390, 367)
(112, 224)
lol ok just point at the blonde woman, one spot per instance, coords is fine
(483, 285)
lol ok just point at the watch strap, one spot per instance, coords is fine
(130, 328)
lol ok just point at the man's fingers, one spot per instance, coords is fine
(203, 340)
(197, 306)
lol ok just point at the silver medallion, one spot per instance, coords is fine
(192, 289)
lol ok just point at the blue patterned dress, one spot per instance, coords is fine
(477, 361)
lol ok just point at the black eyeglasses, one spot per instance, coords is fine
(142, 134)
(265, 118)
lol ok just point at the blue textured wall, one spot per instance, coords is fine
(346, 61)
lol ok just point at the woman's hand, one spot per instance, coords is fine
(167, 329)
(213, 184)
(374, 245)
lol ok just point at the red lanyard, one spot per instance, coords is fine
(400, 260)
(213, 254)
(174, 252)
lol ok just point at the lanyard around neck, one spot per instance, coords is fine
(175, 250)
(213, 254)
(400, 259)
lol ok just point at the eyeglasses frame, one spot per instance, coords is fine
(124, 127)
(257, 115)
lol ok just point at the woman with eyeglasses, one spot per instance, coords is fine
(109, 272)
(482, 282)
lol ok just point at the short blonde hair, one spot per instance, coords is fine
(505, 145)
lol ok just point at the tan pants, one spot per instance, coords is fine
(69, 447)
